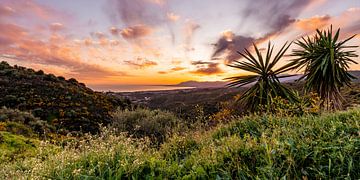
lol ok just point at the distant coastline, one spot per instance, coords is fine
(136, 88)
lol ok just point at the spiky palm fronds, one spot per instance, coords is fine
(265, 77)
(326, 61)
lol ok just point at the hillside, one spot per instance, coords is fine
(67, 105)
(253, 147)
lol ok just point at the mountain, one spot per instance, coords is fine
(220, 84)
(357, 75)
(67, 105)
(204, 84)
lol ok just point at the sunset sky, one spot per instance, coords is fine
(111, 42)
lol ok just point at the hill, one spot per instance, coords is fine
(254, 147)
(67, 105)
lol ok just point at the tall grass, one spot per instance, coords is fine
(263, 147)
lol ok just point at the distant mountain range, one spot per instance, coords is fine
(203, 84)
(219, 84)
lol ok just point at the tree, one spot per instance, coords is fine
(264, 76)
(326, 61)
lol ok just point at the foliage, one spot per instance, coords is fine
(66, 104)
(15, 147)
(254, 147)
(326, 61)
(266, 78)
(23, 123)
(140, 123)
(307, 104)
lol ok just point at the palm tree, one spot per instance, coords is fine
(265, 78)
(326, 61)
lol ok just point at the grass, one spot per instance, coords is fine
(253, 147)
(16, 146)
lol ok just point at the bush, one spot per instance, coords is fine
(140, 123)
(23, 123)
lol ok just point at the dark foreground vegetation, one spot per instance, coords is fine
(66, 105)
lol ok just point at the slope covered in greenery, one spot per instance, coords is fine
(263, 147)
(65, 104)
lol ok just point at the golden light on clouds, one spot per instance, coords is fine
(156, 41)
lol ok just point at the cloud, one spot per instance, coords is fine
(206, 68)
(176, 61)
(10, 34)
(149, 13)
(88, 42)
(114, 31)
(178, 68)
(312, 23)
(98, 35)
(141, 63)
(256, 15)
(189, 30)
(282, 14)
(172, 17)
(56, 27)
(114, 42)
(57, 51)
(162, 72)
(201, 63)
(6, 11)
(229, 44)
(133, 12)
(29, 9)
(135, 32)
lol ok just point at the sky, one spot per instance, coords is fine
(133, 42)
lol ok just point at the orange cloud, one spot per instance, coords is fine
(29, 8)
(313, 23)
(178, 68)
(134, 32)
(172, 17)
(162, 72)
(57, 51)
(141, 63)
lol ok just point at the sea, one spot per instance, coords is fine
(135, 88)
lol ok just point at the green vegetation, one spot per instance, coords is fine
(266, 78)
(67, 105)
(16, 147)
(22, 123)
(141, 123)
(326, 61)
(264, 147)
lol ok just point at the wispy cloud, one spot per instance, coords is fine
(189, 30)
(140, 63)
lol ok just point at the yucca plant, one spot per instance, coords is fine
(264, 76)
(325, 61)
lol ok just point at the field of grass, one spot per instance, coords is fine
(262, 147)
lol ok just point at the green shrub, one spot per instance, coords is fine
(140, 123)
(23, 123)
(14, 147)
